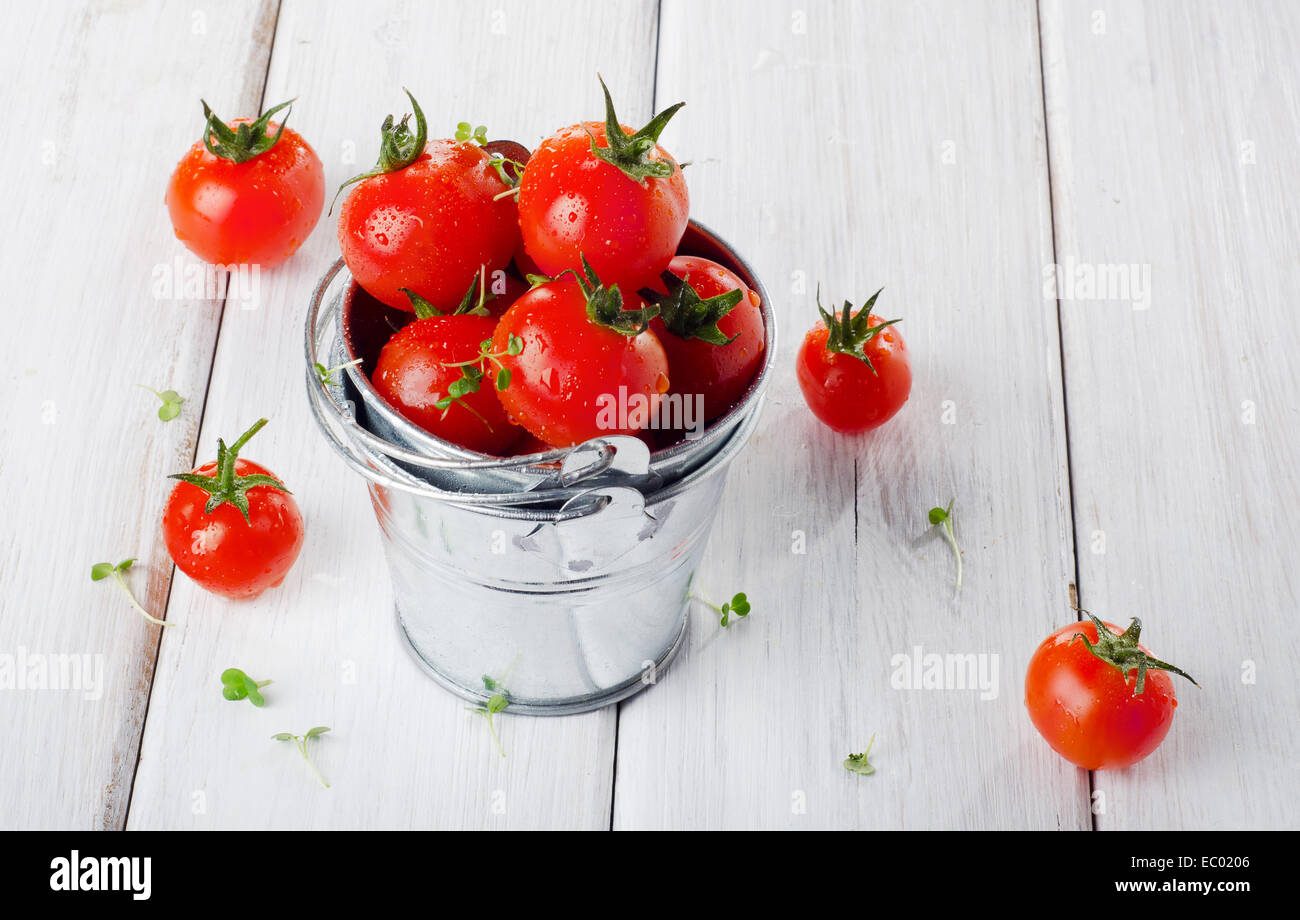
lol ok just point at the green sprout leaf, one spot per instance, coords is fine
(495, 704)
(300, 742)
(236, 685)
(474, 370)
(101, 570)
(942, 517)
(465, 133)
(326, 374)
(858, 763)
(738, 606)
(171, 402)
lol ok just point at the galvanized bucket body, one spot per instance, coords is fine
(561, 579)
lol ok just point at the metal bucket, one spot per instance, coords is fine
(365, 329)
(571, 591)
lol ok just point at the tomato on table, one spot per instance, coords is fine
(588, 366)
(1081, 700)
(607, 194)
(854, 369)
(231, 525)
(428, 217)
(440, 372)
(711, 327)
(248, 193)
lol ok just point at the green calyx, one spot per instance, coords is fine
(223, 486)
(244, 141)
(471, 304)
(605, 304)
(398, 146)
(1123, 653)
(631, 152)
(850, 333)
(689, 317)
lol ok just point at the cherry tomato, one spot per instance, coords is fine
(624, 207)
(232, 526)
(578, 376)
(249, 193)
(714, 338)
(854, 370)
(504, 290)
(415, 374)
(426, 218)
(1090, 712)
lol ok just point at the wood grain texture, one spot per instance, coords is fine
(403, 753)
(1173, 146)
(88, 145)
(865, 145)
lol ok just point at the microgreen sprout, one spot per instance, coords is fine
(943, 518)
(300, 742)
(466, 133)
(171, 402)
(737, 606)
(473, 371)
(858, 763)
(236, 685)
(497, 703)
(498, 684)
(326, 374)
(101, 570)
(512, 177)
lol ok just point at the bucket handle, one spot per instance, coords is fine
(612, 526)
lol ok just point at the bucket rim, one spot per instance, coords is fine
(428, 451)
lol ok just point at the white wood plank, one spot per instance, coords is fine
(862, 145)
(1173, 140)
(100, 102)
(403, 753)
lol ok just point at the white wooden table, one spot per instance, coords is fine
(1141, 446)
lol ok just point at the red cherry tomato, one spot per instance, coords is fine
(576, 379)
(700, 359)
(504, 290)
(414, 374)
(427, 220)
(1090, 713)
(839, 386)
(626, 217)
(254, 212)
(236, 552)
